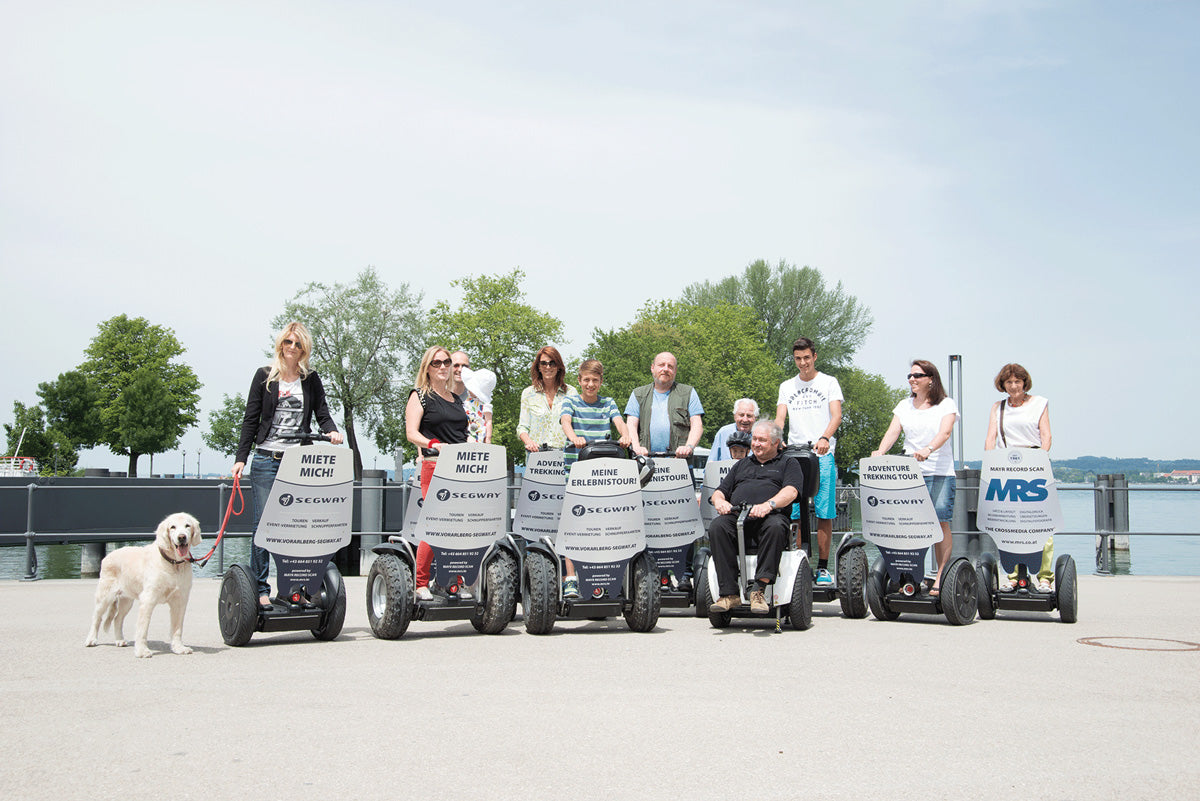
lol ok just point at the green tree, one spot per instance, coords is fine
(792, 302)
(866, 414)
(38, 441)
(494, 325)
(720, 349)
(148, 415)
(225, 425)
(365, 336)
(73, 407)
(123, 347)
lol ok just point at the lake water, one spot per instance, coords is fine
(1161, 511)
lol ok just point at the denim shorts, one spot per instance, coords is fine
(941, 490)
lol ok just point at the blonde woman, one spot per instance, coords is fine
(433, 416)
(283, 398)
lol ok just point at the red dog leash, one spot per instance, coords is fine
(237, 493)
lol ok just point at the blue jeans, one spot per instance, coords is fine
(941, 492)
(262, 476)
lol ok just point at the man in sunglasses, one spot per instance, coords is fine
(812, 405)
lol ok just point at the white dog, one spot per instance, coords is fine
(158, 573)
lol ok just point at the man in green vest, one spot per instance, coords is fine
(666, 416)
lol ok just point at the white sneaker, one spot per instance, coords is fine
(465, 595)
(423, 594)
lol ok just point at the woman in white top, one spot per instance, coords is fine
(1021, 421)
(927, 419)
(542, 401)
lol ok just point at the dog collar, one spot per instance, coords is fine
(168, 557)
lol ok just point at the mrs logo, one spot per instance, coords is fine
(1017, 489)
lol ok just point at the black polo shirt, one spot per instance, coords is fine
(751, 481)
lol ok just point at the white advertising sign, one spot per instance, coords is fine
(601, 525)
(1018, 503)
(311, 506)
(540, 501)
(897, 513)
(465, 505)
(714, 474)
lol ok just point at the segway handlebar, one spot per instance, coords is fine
(318, 437)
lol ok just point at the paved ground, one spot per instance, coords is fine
(1006, 708)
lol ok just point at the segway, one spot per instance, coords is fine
(1019, 509)
(673, 529)
(306, 520)
(850, 559)
(898, 517)
(474, 575)
(601, 531)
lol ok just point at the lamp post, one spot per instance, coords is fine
(56, 458)
(198, 452)
(184, 467)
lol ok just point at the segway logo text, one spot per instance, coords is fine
(1017, 489)
(876, 501)
(579, 510)
(445, 495)
(287, 499)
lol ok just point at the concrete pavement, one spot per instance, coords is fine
(1006, 708)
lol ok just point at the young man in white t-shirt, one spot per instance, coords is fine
(812, 404)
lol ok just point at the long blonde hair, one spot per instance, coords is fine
(422, 382)
(298, 333)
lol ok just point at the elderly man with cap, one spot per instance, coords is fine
(475, 388)
(767, 482)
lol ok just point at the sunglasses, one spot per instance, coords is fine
(547, 364)
(917, 375)
(439, 363)
(294, 343)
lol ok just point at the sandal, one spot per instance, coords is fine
(1043, 586)
(1006, 584)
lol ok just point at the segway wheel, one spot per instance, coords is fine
(704, 596)
(389, 596)
(333, 601)
(1066, 588)
(499, 603)
(539, 596)
(237, 608)
(987, 585)
(958, 594)
(800, 607)
(876, 590)
(642, 615)
(852, 581)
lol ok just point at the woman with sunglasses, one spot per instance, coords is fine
(542, 401)
(434, 416)
(283, 397)
(927, 419)
(1021, 420)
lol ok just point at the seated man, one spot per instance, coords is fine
(771, 483)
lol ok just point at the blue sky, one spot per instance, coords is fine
(1002, 180)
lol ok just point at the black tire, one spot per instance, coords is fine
(237, 608)
(539, 595)
(642, 614)
(389, 596)
(852, 582)
(987, 585)
(499, 603)
(876, 590)
(800, 607)
(1066, 588)
(704, 598)
(958, 593)
(333, 601)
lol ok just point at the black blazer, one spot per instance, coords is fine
(261, 401)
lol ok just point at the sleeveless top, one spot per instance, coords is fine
(1020, 423)
(443, 420)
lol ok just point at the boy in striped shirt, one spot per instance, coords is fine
(587, 417)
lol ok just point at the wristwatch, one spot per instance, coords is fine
(772, 503)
